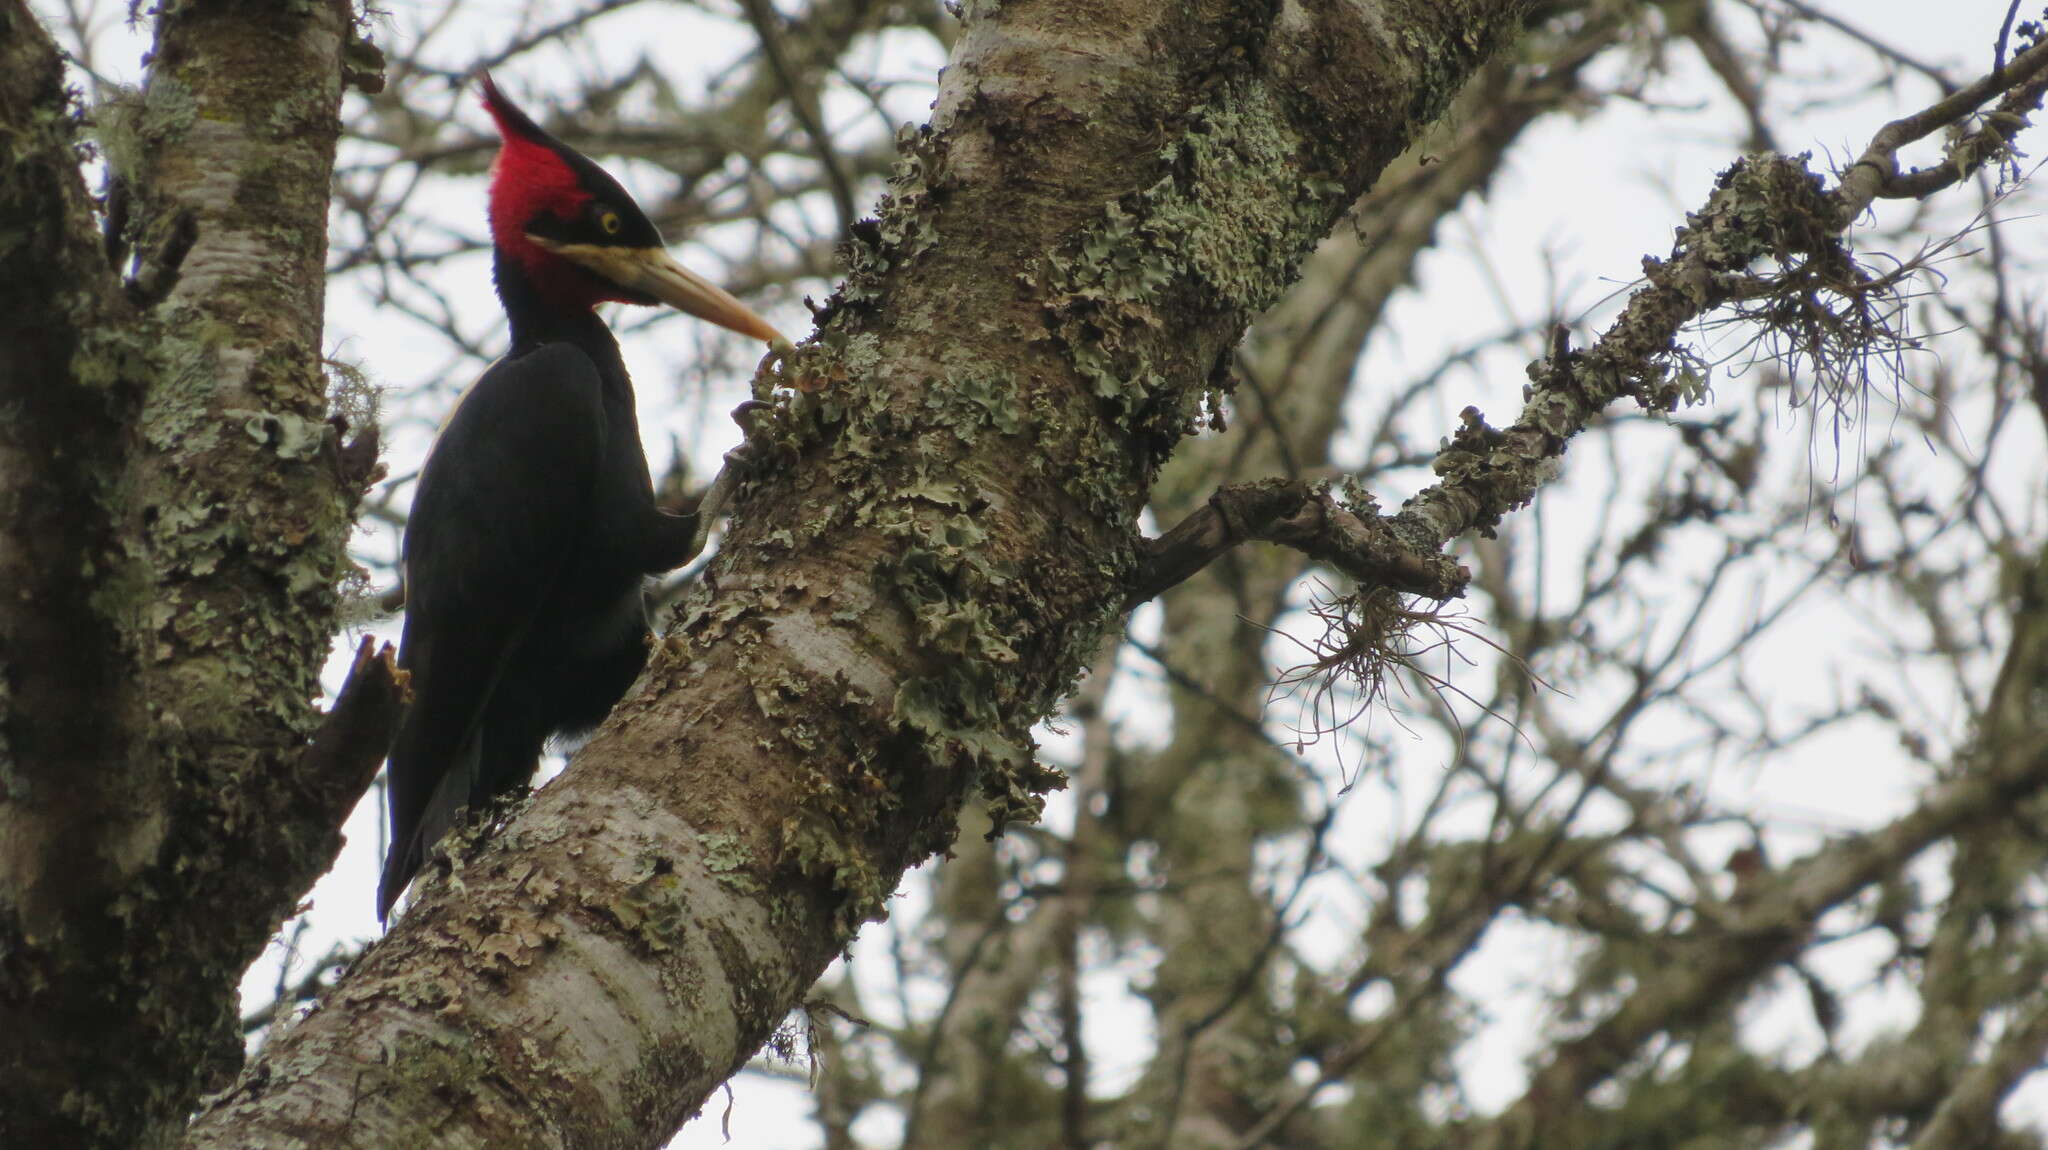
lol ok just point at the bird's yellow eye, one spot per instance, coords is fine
(609, 221)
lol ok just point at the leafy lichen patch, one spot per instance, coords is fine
(1218, 234)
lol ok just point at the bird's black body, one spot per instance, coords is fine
(534, 523)
(532, 530)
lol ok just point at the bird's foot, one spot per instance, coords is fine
(738, 463)
(768, 373)
(749, 416)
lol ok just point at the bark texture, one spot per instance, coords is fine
(1107, 194)
(173, 509)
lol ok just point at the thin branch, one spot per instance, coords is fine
(803, 104)
(1303, 516)
(1875, 173)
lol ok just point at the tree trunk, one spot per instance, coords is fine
(172, 538)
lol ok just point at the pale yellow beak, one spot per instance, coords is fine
(652, 271)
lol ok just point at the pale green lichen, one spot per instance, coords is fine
(1219, 233)
(829, 836)
(729, 861)
(1231, 209)
(972, 397)
(169, 109)
(653, 908)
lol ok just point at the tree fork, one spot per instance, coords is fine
(1103, 202)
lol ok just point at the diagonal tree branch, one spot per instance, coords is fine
(1968, 1116)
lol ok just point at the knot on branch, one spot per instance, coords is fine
(1255, 510)
(157, 274)
(356, 459)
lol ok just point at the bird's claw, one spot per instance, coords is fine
(766, 375)
(746, 414)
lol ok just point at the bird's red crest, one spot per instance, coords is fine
(529, 177)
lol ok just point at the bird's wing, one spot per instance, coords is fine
(503, 502)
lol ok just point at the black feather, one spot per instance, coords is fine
(530, 535)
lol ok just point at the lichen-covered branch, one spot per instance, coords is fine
(1765, 208)
(1306, 518)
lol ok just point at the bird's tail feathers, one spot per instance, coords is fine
(443, 809)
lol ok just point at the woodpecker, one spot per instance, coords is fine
(534, 524)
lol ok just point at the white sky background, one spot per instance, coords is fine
(1580, 203)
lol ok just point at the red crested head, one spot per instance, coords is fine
(568, 237)
(529, 179)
